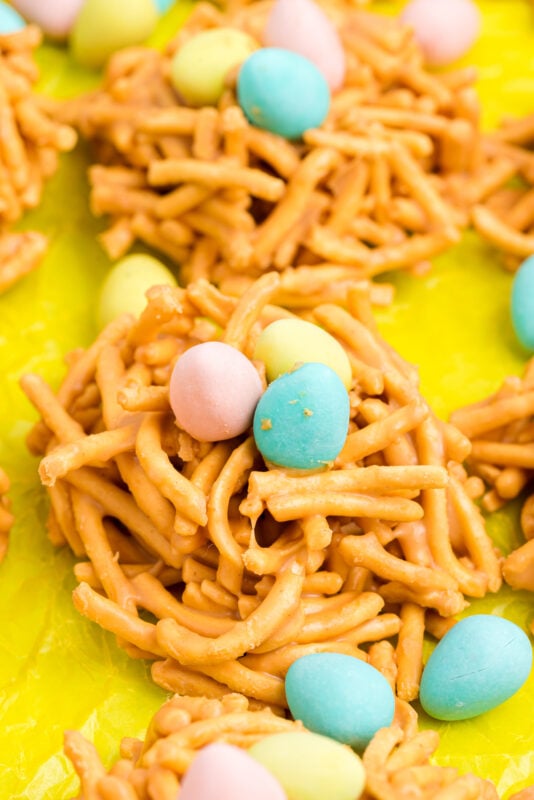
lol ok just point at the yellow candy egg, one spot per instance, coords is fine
(124, 289)
(104, 26)
(202, 63)
(287, 342)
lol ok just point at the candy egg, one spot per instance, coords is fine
(282, 92)
(444, 30)
(522, 303)
(480, 662)
(287, 342)
(200, 66)
(311, 767)
(163, 5)
(102, 27)
(55, 17)
(303, 27)
(125, 286)
(213, 391)
(301, 421)
(339, 696)
(224, 772)
(10, 21)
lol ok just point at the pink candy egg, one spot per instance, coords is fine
(55, 17)
(301, 26)
(214, 390)
(224, 772)
(445, 29)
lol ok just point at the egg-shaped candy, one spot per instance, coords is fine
(213, 391)
(303, 27)
(223, 772)
(480, 662)
(54, 17)
(104, 26)
(339, 696)
(311, 767)
(522, 303)
(444, 30)
(301, 421)
(200, 66)
(282, 92)
(163, 5)
(125, 286)
(287, 342)
(10, 20)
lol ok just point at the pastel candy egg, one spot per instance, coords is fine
(522, 303)
(214, 390)
(104, 26)
(224, 772)
(125, 286)
(339, 696)
(303, 27)
(200, 66)
(444, 29)
(282, 92)
(301, 420)
(311, 767)
(287, 342)
(10, 21)
(55, 17)
(163, 5)
(480, 662)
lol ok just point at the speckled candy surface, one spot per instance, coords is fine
(311, 767)
(125, 286)
(445, 29)
(287, 342)
(481, 662)
(224, 772)
(522, 304)
(301, 420)
(339, 696)
(103, 26)
(213, 391)
(282, 92)
(303, 27)
(55, 17)
(10, 20)
(200, 66)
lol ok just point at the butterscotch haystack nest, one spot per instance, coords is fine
(29, 145)
(397, 761)
(501, 429)
(396, 172)
(244, 568)
(369, 191)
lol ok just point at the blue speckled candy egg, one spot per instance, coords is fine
(10, 20)
(522, 303)
(301, 421)
(282, 92)
(481, 662)
(339, 696)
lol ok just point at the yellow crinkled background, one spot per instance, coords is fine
(59, 671)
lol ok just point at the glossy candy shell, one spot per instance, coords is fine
(282, 92)
(339, 696)
(481, 662)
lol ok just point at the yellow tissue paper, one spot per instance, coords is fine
(58, 670)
